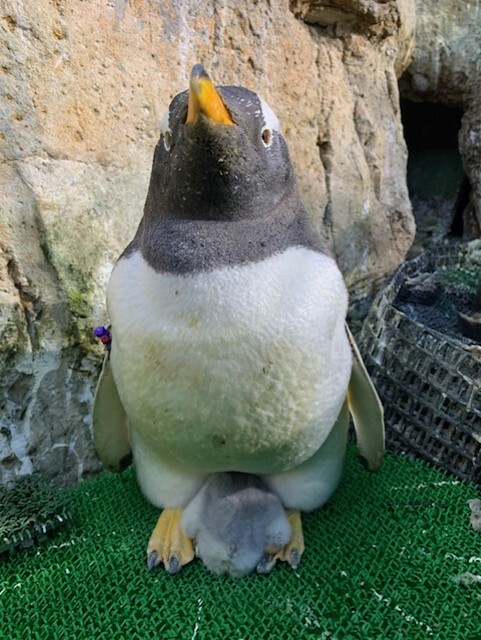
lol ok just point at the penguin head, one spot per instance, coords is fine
(220, 156)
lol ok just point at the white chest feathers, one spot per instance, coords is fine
(236, 369)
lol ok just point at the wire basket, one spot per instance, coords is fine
(429, 379)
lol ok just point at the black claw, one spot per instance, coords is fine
(173, 566)
(265, 564)
(152, 560)
(294, 559)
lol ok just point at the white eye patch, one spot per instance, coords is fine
(270, 118)
(165, 130)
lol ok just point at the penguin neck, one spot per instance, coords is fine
(184, 246)
(211, 195)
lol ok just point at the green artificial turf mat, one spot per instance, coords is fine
(381, 562)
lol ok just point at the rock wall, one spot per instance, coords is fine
(446, 68)
(83, 87)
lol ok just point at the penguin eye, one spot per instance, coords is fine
(266, 137)
(167, 138)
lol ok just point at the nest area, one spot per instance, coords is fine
(425, 367)
(446, 299)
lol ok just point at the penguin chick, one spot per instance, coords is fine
(234, 520)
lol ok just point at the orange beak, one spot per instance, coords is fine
(204, 98)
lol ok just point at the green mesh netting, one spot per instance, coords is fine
(30, 511)
(381, 563)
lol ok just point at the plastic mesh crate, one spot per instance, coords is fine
(427, 374)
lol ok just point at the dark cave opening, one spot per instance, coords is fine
(438, 186)
(429, 126)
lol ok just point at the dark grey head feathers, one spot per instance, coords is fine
(220, 194)
(212, 171)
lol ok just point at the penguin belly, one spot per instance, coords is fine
(241, 368)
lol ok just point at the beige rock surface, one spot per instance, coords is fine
(82, 88)
(447, 53)
(446, 68)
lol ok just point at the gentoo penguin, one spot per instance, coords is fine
(229, 352)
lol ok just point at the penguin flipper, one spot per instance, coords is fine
(366, 410)
(109, 421)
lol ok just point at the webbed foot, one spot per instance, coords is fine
(292, 551)
(168, 544)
